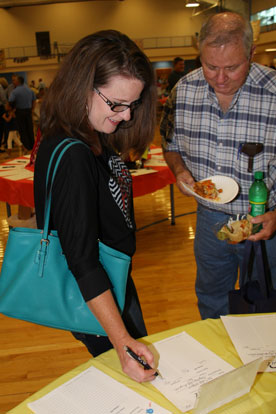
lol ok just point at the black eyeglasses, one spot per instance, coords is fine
(118, 107)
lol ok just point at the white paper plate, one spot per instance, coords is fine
(228, 185)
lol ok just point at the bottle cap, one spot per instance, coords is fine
(259, 175)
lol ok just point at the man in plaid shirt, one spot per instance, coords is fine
(211, 113)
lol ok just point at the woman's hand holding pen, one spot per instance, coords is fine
(106, 311)
(131, 367)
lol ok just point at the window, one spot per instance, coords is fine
(266, 17)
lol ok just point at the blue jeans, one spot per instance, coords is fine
(218, 263)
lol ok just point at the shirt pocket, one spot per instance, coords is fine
(242, 163)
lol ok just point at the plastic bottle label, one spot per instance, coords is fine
(257, 209)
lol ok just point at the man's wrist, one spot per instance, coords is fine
(180, 170)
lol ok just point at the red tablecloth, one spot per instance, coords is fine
(162, 100)
(146, 184)
(21, 191)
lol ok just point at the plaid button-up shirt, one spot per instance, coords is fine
(210, 141)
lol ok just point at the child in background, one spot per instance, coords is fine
(11, 125)
(35, 148)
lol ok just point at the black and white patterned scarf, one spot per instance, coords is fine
(120, 186)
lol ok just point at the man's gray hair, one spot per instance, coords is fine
(224, 28)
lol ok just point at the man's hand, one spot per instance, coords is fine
(186, 178)
(268, 221)
(180, 171)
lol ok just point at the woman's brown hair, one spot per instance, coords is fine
(91, 63)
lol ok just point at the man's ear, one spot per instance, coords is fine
(252, 51)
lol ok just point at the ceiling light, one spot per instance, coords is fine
(270, 50)
(192, 3)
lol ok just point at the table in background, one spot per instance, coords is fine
(20, 192)
(212, 334)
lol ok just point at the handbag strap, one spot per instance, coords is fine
(257, 247)
(69, 142)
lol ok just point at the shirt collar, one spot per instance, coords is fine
(214, 100)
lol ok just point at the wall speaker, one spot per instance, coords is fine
(43, 43)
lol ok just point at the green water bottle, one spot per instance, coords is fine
(257, 198)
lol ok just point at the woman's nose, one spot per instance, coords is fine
(126, 115)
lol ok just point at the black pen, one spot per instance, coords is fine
(139, 360)
(8, 166)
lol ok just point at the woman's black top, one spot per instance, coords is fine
(91, 201)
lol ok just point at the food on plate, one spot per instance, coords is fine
(236, 231)
(207, 189)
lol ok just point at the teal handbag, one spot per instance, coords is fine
(36, 284)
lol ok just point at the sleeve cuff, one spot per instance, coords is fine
(94, 283)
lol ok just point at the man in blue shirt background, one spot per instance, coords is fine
(176, 73)
(23, 99)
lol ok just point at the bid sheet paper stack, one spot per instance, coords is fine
(253, 337)
(191, 373)
(93, 392)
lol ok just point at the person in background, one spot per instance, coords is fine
(210, 115)
(33, 87)
(103, 95)
(23, 99)
(12, 85)
(12, 128)
(176, 73)
(36, 111)
(33, 154)
(3, 100)
(41, 85)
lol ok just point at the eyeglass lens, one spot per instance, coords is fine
(121, 108)
(117, 107)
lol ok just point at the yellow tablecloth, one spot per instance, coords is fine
(212, 334)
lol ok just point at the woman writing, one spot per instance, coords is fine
(103, 95)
